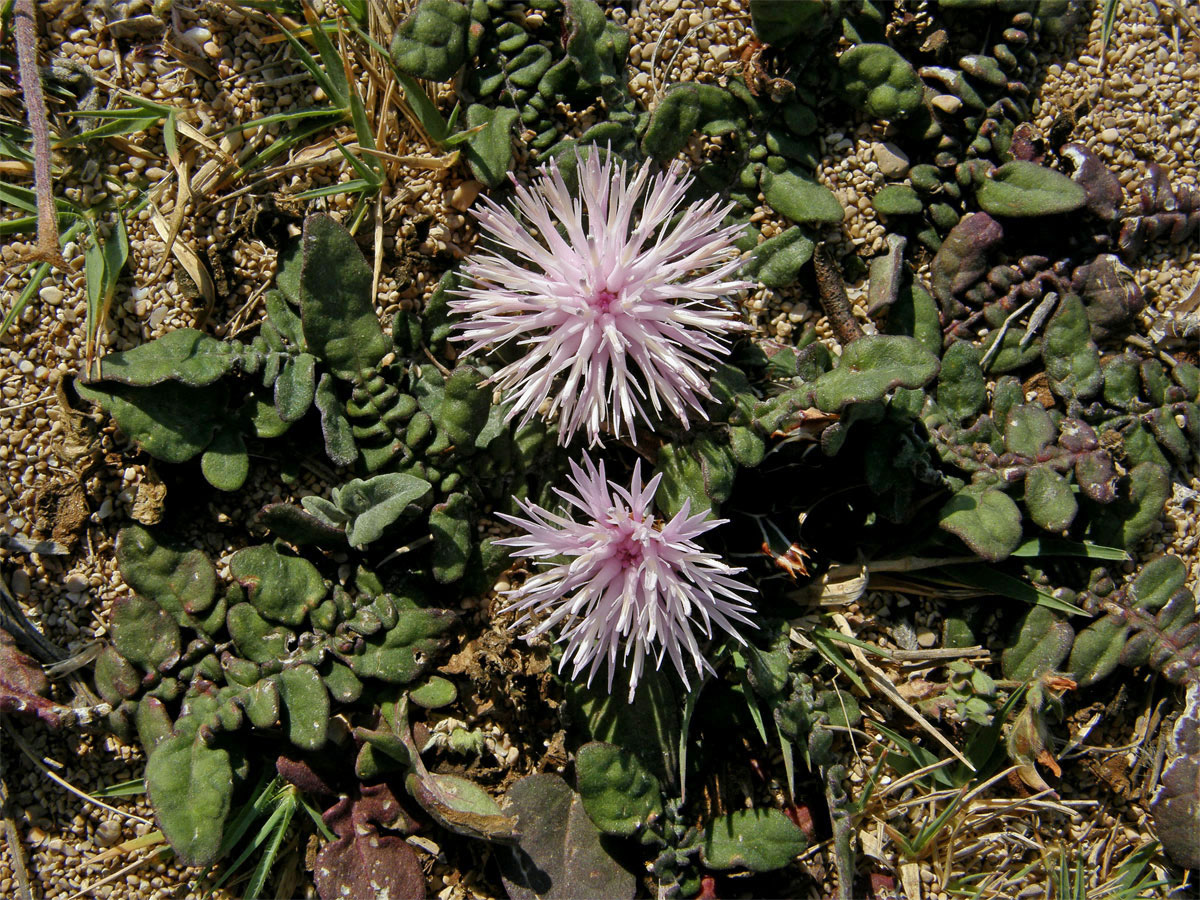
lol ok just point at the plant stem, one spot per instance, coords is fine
(833, 298)
(46, 249)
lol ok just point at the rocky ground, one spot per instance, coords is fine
(68, 479)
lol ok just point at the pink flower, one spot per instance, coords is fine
(608, 305)
(628, 584)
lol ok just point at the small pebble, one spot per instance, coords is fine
(1110, 135)
(926, 639)
(892, 161)
(947, 103)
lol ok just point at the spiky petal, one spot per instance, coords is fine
(632, 588)
(614, 311)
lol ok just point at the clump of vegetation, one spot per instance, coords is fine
(990, 432)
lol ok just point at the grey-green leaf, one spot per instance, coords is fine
(340, 324)
(756, 839)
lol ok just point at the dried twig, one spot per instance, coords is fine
(833, 298)
(46, 250)
(16, 852)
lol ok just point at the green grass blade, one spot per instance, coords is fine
(835, 658)
(365, 173)
(285, 811)
(282, 145)
(423, 108)
(130, 788)
(1007, 586)
(345, 187)
(1048, 546)
(18, 307)
(332, 90)
(334, 65)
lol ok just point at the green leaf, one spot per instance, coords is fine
(295, 387)
(777, 261)
(1042, 643)
(1021, 188)
(339, 439)
(191, 787)
(881, 81)
(756, 839)
(1125, 522)
(179, 579)
(897, 200)
(373, 505)
(1097, 651)
(401, 653)
(489, 151)
(171, 421)
(435, 693)
(872, 366)
(1007, 586)
(340, 324)
(453, 531)
(226, 463)
(801, 199)
(184, 355)
(431, 43)
(282, 588)
(1072, 360)
(1028, 428)
(987, 521)
(307, 704)
(699, 471)
(145, 634)
(961, 389)
(1049, 499)
(618, 792)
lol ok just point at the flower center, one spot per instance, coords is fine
(628, 552)
(602, 300)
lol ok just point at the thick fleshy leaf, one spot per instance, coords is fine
(307, 704)
(171, 421)
(987, 520)
(371, 506)
(401, 653)
(226, 462)
(185, 355)
(282, 588)
(1049, 499)
(560, 856)
(295, 387)
(1042, 643)
(872, 366)
(1072, 360)
(190, 786)
(777, 261)
(618, 792)
(178, 578)
(1020, 188)
(145, 634)
(801, 199)
(340, 324)
(756, 839)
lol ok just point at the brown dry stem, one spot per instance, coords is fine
(46, 250)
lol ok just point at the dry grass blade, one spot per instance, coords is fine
(136, 864)
(186, 256)
(62, 782)
(16, 852)
(883, 683)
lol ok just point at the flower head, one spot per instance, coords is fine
(630, 584)
(610, 304)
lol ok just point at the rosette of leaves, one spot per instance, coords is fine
(1121, 413)
(192, 663)
(515, 67)
(806, 390)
